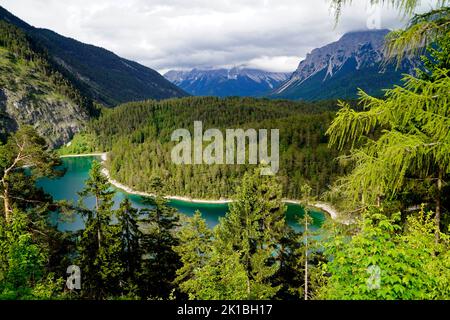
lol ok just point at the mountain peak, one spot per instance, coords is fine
(353, 59)
(366, 32)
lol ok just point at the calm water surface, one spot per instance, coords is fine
(67, 187)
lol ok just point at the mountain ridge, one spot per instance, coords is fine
(223, 82)
(338, 69)
(99, 73)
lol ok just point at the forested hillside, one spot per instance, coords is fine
(32, 91)
(138, 136)
(100, 74)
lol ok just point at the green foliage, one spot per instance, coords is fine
(423, 30)
(160, 261)
(299, 257)
(239, 262)
(24, 260)
(28, 243)
(205, 273)
(23, 273)
(438, 58)
(253, 227)
(17, 190)
(400, 144)
(412, 265)
(290, 276)
(81, 143)
(194, 249)
(222, 278)
(130, 239)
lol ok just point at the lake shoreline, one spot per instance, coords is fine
(333, 213)
(103, 155)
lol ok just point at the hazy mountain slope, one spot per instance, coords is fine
(99, 73)
(338, 69)
(227, 82)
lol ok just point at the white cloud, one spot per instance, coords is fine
(276, 63)
(166, 34)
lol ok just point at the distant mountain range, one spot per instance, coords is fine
(98, 73)
(238, 81)
(338, 69)
(335, 71)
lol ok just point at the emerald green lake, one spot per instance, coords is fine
(77, 171)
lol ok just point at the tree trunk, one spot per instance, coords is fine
(99, 236)
(438, 205)
(306, 256)
(99, 233)
(7, 205)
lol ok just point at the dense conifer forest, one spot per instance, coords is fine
(138, 139)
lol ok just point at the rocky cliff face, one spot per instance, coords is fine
(237, 81)
(338, 69)
(365, 47)
(54, 118)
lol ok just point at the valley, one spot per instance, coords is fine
(180, 168)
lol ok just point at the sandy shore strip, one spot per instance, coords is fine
(103, 155)
(129, 190)
(319, 205)
(334, 214)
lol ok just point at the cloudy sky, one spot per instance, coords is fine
(273, 35)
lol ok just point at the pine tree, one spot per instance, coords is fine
(222, 278)
(160, 260)
(289, 276)
(99, 244)
(28, 250)
(253, 228)
(23, 259)
(130, 237)
(194, 249)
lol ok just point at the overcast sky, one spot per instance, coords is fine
(273, 35)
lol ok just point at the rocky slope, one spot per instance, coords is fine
(338, 69)
(237, 81)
